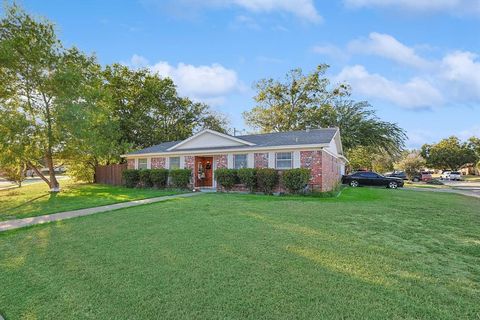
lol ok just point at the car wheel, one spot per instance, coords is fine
(354, 183)
(393, 185)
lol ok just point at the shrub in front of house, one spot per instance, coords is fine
(180, 178)
(226, 178)
(131, 178)
(267, 180)
(295, 180)
(145, 179)
(159, 177)
(248, 177)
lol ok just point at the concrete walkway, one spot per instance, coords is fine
(20, 223)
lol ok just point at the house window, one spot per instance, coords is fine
(239, 161)
(142, 163)
(284, 160)
(174, 163)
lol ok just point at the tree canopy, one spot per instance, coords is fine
(60, 106)
(308, 101)
(448, 153)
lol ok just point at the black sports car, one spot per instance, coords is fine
(368, 178)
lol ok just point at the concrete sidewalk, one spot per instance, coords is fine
(20, 223)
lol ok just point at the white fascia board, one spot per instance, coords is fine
(226, 136)
(303, 147)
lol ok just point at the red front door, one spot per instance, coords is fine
(203, 171)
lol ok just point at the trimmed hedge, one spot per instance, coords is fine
(248, 177)
(145, 178)
(131, 178)
(267, 180)
(159, 177)
(295, 180)
(180, 178)
(226, 178)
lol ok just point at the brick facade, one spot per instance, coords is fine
(130, 163)
(158, 163)
(330, 171)
(313, 160)
(260, 160)
(221, 161)
(189, 162)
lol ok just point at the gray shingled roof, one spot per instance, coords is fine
(314, 136)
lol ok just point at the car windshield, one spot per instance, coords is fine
(454, 172)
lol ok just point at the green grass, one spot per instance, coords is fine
(34, 200)
(368, 254)
(471, 178)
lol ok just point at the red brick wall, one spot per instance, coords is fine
(221, 161)
(130, 163)
(260, 160)
(330, 171)
(158, 163)
(189, 162)
(313, 160)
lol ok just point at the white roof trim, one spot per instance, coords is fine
(208, 151)
(212, 132)
(338, 142)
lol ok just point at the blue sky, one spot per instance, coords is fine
(416, 61)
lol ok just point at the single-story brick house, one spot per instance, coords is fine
(319, 150)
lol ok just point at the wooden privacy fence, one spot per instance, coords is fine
(110, 174)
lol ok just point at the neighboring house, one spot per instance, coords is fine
(319, 150)
(470, 169)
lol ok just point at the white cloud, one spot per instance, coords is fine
(206, 83)
(304, 9)
(386, 46)
(461, 69)
(453, 79)
(415, 93)
(424, 6)
(331, 51)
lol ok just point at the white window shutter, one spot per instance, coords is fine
(230, 160)
(250, 160)
(136, 164)
(296, 159)
(271, 160)
(167, 162)
(149, 163)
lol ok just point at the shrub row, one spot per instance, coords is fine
(158, 178)
(264, 180)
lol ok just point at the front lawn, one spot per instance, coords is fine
(368, 254)
(34, 200)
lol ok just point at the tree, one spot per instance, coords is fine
(411, 164)
(360, 158)
(307, 101)
(150, 111)
(449, 153)
(474, 144)
(44, 93)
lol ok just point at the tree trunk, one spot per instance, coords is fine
(31, 166)
(54, 186)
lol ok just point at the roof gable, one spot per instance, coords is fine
(210, 139)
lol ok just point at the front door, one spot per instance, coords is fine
(203, 172)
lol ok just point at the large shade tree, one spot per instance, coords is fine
(150, 111)
(448, 153)
(47, 93)
(309, 101)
